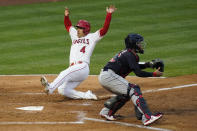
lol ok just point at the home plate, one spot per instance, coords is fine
(31, 108)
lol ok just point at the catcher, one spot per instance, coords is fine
(112, 78)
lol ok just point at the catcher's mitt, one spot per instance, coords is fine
(157, 63)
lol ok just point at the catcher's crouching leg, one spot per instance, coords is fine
(141, 108)
(112, 105)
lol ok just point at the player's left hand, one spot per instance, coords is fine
(111, 9)
(66, 13)
(156, 64)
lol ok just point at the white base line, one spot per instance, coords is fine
(170, 88)
(126, 124)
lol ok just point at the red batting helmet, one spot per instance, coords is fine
(85, 25)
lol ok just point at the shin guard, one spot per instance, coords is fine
(139, 101)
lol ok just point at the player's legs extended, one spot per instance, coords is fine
(75, 73)
(65, 90)
(69, 91)
(76, 77)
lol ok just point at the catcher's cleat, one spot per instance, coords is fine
(45, 83)
(90, 96)
(104, 113)
(152, 119)
(107, 117)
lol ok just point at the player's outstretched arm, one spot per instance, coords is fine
(111, 9)
(67, 21)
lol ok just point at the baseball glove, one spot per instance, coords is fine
(157, 63)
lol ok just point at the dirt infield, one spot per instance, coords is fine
(178, 102)
(179, 105)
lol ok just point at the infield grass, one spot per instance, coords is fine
(33, 39)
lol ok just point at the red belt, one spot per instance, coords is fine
(78, 62)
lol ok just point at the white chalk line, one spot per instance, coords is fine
(170, 88)
(80, 115)
(126, 124)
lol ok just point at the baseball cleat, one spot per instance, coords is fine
(89, 95)
(153, 119)
(45, 83)
(109, 118)
(104, 114)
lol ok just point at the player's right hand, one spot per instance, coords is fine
(66, 13)
(111, 9)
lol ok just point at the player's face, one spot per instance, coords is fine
(80, 32)
(141, 46)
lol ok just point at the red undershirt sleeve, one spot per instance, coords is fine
(104, 30)
(67, 23)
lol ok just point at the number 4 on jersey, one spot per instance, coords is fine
(83, 49)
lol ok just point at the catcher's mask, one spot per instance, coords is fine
(136, 42)
(85, 25)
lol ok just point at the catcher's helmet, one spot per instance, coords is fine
(135, 41)
(85, 25)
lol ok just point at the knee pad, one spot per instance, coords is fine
(137, 90)
(134, 90)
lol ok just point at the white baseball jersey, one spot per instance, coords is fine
(80, 53)
(82, 48)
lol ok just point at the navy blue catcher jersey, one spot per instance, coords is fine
(125, 62)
